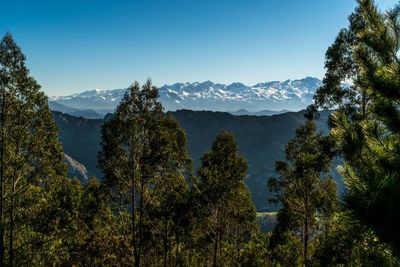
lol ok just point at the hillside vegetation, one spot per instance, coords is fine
(261, 140)
(156, 206)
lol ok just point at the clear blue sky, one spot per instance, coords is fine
(72, 45)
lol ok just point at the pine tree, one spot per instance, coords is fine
(366, 125)
(31, 158)
(306, 194)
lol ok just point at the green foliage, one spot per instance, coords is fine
(150, 210)
(256, 251)
(31, 159)
(365, 126)
(307, 196)
(348, 243)
(146, 169)
(227, 215)
(260, 138)
(145, 211)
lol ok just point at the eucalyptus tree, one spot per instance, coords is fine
(145, 163)
(169, 197)
(126, 156)
(31, 157)
(227, 214)
(303, 187)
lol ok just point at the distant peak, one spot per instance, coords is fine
(270, 95)
(237, 84)
(311, 78)
(208, 82)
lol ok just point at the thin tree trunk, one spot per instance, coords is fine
(140, 223)
(133, 208)
(306, 244)
(133, 201)
(165, 242)
(220, 244)
(133, 215)
(13, 191)
(11, 249)
(215, 252)
(3, 108)
(176, 251)
(216, 240)
(237, 249)
(306, 237)
(170, 246)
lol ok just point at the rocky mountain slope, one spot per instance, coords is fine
(76, 169)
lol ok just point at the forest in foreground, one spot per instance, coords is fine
(152, 208)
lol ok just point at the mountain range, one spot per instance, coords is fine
(267, 96)
(258, 115)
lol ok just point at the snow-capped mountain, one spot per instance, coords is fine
(275, 95)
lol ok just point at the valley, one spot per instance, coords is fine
(261, 141)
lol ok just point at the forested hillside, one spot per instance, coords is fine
(176, 188)
(261, 140)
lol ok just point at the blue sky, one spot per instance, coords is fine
(72, 46)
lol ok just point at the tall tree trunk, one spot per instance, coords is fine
(220, 244)
(237, 247)
(306, 243)
(216, 240)
(141, 208)
(215, 251)
(165, 242)
(170, 246)
(133, 203)
(13, 191)
(306, 234)
(3, 109)
(176, 250)
(11, 248)
(133, 216)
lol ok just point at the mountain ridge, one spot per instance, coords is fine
(274, 95)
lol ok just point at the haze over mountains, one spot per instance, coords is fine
(260, 99)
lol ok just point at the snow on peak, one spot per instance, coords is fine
(208, 95)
